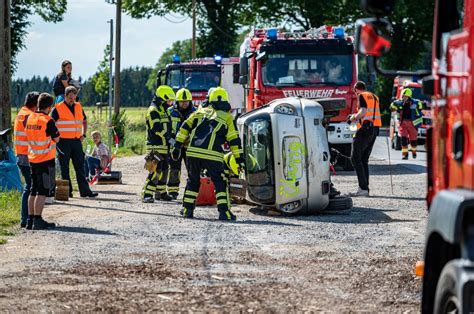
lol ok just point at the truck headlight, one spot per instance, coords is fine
(285, 109)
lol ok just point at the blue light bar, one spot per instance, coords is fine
(338, 32)
(217, 59)
(272, 33)
(176, 59)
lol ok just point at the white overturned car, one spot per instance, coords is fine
(287, 156)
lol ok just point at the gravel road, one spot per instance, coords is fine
(115, 253)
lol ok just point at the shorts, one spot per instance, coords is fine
(407, 129)
(43, 179)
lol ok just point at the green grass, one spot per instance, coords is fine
(9, 213)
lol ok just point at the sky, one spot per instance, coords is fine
(83, 34)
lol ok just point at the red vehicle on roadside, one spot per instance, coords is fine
(318, 63)
(448, 271)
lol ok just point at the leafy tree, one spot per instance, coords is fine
(217, 29)
(101, 77)
(21, 10)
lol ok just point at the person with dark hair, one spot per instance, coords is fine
(21, 149)
(369, 122)
(62, 80)
(42, 136)
(72, 124)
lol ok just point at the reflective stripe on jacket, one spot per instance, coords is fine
(70, 126)
(373, 109)
(158, 129)
(41, 147)
(207, 130)
(21, 143)
(416, 113)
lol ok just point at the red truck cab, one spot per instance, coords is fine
(318, 63)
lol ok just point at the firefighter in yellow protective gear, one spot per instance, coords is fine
(158, 125)
(207, 130)
(180, 111)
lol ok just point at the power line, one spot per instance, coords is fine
(176, 22)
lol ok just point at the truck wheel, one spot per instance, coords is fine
(339, 203)
(398, 142)
(447, 299)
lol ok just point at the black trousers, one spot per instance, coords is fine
(362, 146)
(215, 170)
(71, 149)
(156, 181)
(174, 176)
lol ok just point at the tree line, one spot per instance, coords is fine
(133, 83)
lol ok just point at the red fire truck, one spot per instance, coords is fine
(448, 271)
(318, 63)
(198, 75)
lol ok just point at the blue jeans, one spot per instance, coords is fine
(26, 173)
(91, 165)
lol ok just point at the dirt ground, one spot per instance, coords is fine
(115, 253)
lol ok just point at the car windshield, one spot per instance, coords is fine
(259, 160)
(194, 80)
(302, 70)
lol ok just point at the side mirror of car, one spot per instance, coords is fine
(244, 65)
(370, 37)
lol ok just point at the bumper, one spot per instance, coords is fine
(341, 133)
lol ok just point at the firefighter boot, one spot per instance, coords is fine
(187, 212)
(404, 148)
(226, 215)
(413, 148)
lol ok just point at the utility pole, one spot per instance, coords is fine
(5, 71)
(193, 53)
(118, 31)
(111, 80)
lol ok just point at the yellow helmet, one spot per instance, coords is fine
(407, 92)
(183, 95)
(218, 95)
(165, 92)
(231, 163)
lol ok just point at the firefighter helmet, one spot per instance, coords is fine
(184, 95)
(165, 92)
(218, 95)
(407, 92)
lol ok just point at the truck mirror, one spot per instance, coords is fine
(158, 78)
(243, 80)
(429, 85)
(369, 37)
(244, 66)
(377, 7)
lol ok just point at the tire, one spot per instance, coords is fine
(398, 142)
(447, 299)
(339, 203)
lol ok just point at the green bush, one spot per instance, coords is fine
(119, 122)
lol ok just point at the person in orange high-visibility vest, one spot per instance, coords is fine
(368, 123)
(42, 136)
(72, 124)
(21, 149)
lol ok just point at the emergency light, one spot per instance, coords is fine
(272, 33)
(338, 32)
(176, 59)
(217, 59)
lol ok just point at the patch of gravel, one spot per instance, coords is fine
(116, 253)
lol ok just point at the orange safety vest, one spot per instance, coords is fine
(41, 147)
(69, 125)
(21, 143)
(373, 110)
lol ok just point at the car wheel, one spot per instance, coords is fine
(339, 203)
(447, 299)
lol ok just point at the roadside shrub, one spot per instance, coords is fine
(119, 121)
